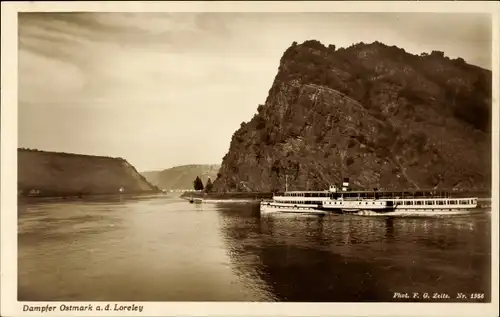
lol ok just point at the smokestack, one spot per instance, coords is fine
(345, 184)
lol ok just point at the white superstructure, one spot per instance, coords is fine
(345, 200)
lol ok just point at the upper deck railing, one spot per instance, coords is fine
(381, 194)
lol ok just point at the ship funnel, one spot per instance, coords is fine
(345, 184)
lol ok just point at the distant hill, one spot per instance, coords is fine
(50, 174)
(182, 177)
(371, 112)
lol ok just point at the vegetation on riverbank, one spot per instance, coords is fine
(230, 195)
(54, 174)
(181, 177)
(269, 195)
(375, 113)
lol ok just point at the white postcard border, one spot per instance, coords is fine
(9, 304)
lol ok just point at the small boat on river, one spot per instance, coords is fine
(195, 200)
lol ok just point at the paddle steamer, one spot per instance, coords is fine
(344, 200)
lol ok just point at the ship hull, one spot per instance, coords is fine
(395, 210)
(416, 212)
(268, 208)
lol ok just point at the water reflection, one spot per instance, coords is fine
(389, 232)
(357, 258)
(166, 249)
(132, 250)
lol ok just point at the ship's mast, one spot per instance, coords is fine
(286, 182)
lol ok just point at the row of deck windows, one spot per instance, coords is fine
(346, 201)
(437, 202)
(308, 202)
(377, 194)
(404, 202)
(307, 194)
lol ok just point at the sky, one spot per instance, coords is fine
(168, 89)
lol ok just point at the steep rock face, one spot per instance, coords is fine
(48, 174)
(373, 113)
(182, 177)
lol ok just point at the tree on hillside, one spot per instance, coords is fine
(198, 184)
(209, 185)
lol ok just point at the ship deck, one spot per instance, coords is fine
(378, 194)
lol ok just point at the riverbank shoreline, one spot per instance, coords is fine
(228, 201)
(240, 197)
(483, 202)
(74, 197)
(228, 196)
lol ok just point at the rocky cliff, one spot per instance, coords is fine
(182, 177)
(374, 113)
(50, 174)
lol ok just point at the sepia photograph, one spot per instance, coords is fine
(262, 156)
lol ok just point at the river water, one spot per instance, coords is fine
(165, 249)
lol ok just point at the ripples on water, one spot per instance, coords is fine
(165, 249)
